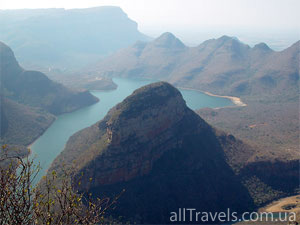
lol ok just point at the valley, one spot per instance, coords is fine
(66, 125)
(128, 149)
(265, 81)
(152, 123)
(149, 142)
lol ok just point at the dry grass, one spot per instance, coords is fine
(272, 128)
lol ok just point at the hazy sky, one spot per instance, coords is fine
(191, 16)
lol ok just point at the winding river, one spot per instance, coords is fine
(52, 142)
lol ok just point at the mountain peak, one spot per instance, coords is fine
(148, 143)
(8, 59)
(167, 35)
(146, 98)
(229, 39)
(168, 40)
(225, 38)
(159, 88)
(3, 46)
(6, 51)
(262, 46)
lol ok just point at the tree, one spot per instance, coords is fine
(53, 201)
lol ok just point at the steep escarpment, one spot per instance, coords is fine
(73, 38)
(269, 180)
(35, 89)
(161, 152)
(30, 100)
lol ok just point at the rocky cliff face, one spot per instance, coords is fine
(141, 130)
(161, 152)
(88, 34)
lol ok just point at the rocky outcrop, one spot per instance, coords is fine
(142, 121)
(167, 157)
(161, 152)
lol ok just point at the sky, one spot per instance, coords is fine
(190, 19)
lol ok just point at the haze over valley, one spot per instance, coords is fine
(148, 116)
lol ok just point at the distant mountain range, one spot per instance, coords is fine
(151, 144)
(166, 157)
(29, 100)
(66, 39)
(223, 66)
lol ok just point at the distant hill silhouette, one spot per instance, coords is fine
(66, 38)
(35, 89)
(223, 66)
(29, 100)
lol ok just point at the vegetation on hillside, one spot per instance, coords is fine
(53, 202)
(223, 66)
(29, 101)
(156, 148)
(272, 128)
(24, 123)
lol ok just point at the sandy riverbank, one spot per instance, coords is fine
(288, 204)
(237, 101)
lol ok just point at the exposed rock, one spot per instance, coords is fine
(161, 152)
